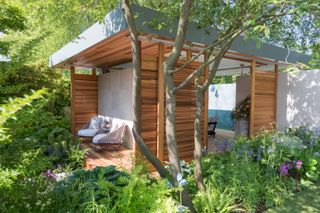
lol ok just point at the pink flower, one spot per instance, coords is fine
(299, 164)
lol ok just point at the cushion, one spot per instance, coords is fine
(95, 123)
(87, 132)
(100, 138)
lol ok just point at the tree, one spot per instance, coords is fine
(11, 18)
(256, 18)
(136, 60)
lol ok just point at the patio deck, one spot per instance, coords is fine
(106, 155)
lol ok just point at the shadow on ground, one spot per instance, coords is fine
(307, 201)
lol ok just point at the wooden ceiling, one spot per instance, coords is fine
(117, 50)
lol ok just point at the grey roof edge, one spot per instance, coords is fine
(115, 22)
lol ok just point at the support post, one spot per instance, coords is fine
(161, 106)
(72, 93)
(206, 108)
(252, 100)
(276, 70)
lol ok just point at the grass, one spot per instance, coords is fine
(306, 201)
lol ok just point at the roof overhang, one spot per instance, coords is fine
(115, 23)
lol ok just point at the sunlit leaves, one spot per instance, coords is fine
(8, 110)
(11, 17)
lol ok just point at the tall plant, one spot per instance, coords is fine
(8, 110)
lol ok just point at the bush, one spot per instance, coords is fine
(35, 139)
(145, 195)
(106, 189)
(16, 79)
(260, 172)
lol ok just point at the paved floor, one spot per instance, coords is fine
(220, 142)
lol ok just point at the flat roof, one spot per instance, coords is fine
(114, 22)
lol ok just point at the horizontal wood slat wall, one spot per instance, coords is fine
(84, 99)
(264, 103)
(151, 125)
(185, 113)
(149, 96)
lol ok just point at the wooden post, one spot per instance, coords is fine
(72, 93)
(206, 108)
(276, 70)
(94, 73)
(160, 110)
(189, 54)
(252, 100)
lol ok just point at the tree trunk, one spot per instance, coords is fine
(171, 125)
(197, 140)
(136, 102)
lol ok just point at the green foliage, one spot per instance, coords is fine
(143, 195)
(16, 79)
(11, 19)
(228, 79)
(40, 139)
(106, 189)
(86, 191)
(8, 110)
(249, 177)
(214, 200)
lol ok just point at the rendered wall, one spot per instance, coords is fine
(115, 94)
(298, 99)
(115, 97)
(222, 98)
(243, 88)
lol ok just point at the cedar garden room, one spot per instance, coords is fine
(105, 50)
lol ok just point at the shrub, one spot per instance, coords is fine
(84, 190)
(145, 195)
(35, 139)
(105, 189)
(215, 200)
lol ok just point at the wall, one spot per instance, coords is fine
(243, 88)
(115, 97)
(222, 99)
(298, 99)
(115, 94)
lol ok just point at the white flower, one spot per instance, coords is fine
(181, 181)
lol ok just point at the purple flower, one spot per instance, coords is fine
(284, 170)
(299, 164)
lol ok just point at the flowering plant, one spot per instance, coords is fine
(291, 168)
(242, 110)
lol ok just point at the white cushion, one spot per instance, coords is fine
(95, 123)
(87, 132)
(98, 137)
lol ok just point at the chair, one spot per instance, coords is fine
(93, 127)
(115, 136)
(212, 127)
